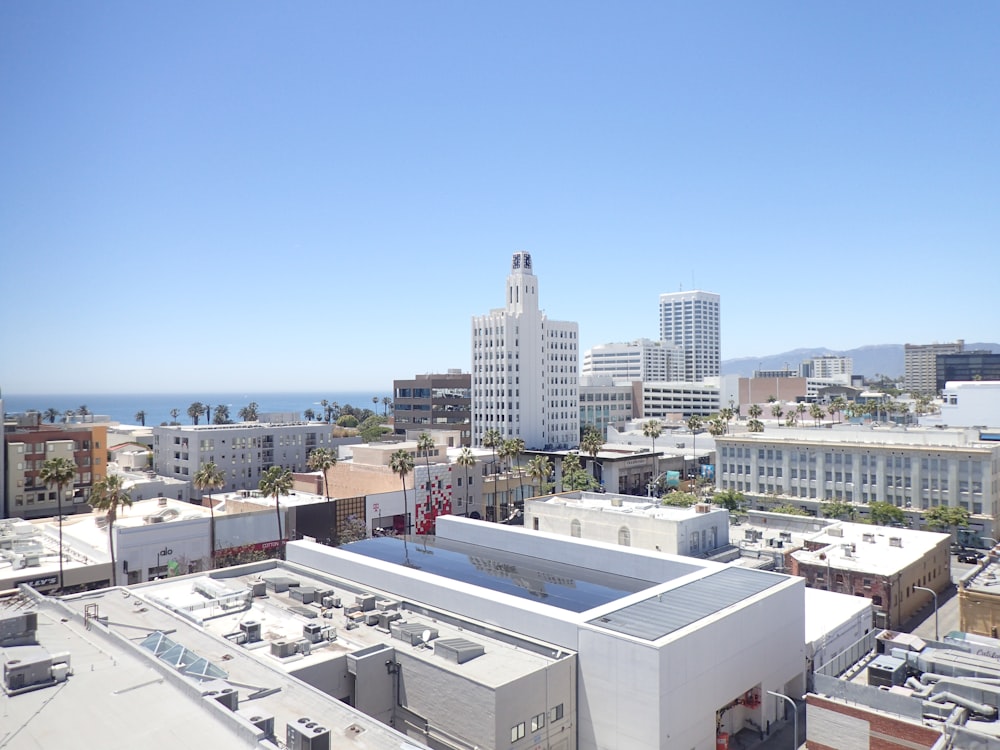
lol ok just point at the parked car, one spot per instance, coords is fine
(968, 556)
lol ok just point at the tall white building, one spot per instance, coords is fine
(641, 359)
(525, 369)
(691, 321)
(827, 366)
(920, 364)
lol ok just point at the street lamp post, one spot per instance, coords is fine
(795, 717)
(933, 593)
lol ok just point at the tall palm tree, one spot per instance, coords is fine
(386, 403)
(401, 463)
(539, 469)
(322, 460)
(425, 444)
(69, 414)
(109, 494)
(195, 411)
(374, 403)
(309, 415)
(174, 413)
(816, 412)
(210, 477)
(325, 405)
(61, 472)
(140, 417)
(466, 459)
(755, 411)
(492, 439)
(755, 425)
(800, 409)
(249, 412)
(83, 411)
(727, 414)
(208, 414)
(51, 414)
(516, 451)
(653, 429)
(776, 411)
(694, 423)
(221, 414)
(277, 481)
(591, 444)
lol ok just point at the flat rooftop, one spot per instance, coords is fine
(869, 549)
(623, 504)
(568, 587)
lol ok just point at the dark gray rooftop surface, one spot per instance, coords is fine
(672, 610)
(561, 585)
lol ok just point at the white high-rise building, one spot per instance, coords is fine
(525, 369)
(641, 359)
(691, 321)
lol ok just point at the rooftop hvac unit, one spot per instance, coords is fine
(304, 594)
(886, 671)
(282, 649)
(258, 588)
(616, 502)
(306, 734)
(384, 605)
(868, 538)
(366, 602)
(751, 535)
(895, 541)
(384, 618)
(785, 535)
(251, 629)
(331, 601)
(312, 632)
(702, 507)
(835, 531)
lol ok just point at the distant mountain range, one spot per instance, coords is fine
(885, 359)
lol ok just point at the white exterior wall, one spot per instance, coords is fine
(525, 369)
(644, 532)
(636, 695)
(642, 359)
(968, 403)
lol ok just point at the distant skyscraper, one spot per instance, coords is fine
(525, 369)
(920, 365)
(690, 320)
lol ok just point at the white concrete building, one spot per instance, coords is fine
(663, 400)
(604, 401)
(965, 404)
(243, 451)
(642, 359)
(670, 651)
(827, 366)
(913, 468)
(631, 522)
(691, 321)
(525, 368)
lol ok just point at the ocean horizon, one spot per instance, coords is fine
(123, 407)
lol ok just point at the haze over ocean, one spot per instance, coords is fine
(123, 408)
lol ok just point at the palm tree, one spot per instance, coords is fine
(174, 413)
(309, 415)
(83, 411)
(653, 429)
(140, 417)
(776, 411)
(816, 412)
(277, 481)
(322, 460)
(800, 409)
(386, 403)
(249, 412)
(208, 414)
(755, 411)
(716, 426)
(69, 414)
(109, 494)
(755, 425)
(221, 414)
(492, 439)
(374, 403)
(401, 463)
(466, 459)
(195, 411)
(325, 405)
(539, 469)
(694, 423)
(591, 444)
(425, 444)
(727, 415)
(51, 415)
(210, 477)
(61, 472)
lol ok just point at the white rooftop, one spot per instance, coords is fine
(869, 549)
(615, 503)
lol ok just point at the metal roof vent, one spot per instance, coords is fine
(895, 541)
(458, 650)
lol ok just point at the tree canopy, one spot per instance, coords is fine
(885, 514)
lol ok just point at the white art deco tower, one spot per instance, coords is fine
(525, 369)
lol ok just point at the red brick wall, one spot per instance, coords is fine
(885, 732)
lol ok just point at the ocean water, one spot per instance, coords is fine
(123, 408)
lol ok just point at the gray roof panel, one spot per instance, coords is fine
(662, 614)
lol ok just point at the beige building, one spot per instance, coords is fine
(920, 365)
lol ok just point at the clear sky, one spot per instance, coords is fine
(304, 196)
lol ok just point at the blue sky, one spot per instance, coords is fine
(263, 196)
